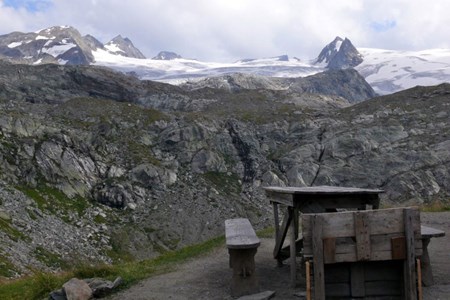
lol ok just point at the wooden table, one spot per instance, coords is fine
(316, 199)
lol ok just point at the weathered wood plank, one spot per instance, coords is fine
(362, 232)
(338, 290)
(384, 288)
(410, 269)
(240, 234)
(398, 247)
(322, 190)
(329, 250)
(292, 247)
(357, 280)
(285, 199)
(319, 279)
(381, 221)
(377, 242)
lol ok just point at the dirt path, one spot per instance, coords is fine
(209, 277)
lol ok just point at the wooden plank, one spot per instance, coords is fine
(292, 248)
(337, 273)
(357, 280)
(381, 221)
(319, 280)
(379, 245)
(338, 290)
(280, 198)
(240, 234)
(398, 247)
(410, 270)
(384, 288)
(321, 190)
(329, 250)
(390, 270)
(362, 232)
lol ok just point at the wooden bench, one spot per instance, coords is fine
(242, 244)
(428, 233)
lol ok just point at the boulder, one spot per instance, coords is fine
(77, 289)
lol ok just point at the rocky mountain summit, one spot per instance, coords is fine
(166, 55)
(96, 166)
(124, 47)
(61, 45)
(339, 54)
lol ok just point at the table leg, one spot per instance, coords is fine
(276, 218)
(427, 273)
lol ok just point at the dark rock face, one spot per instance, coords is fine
(166, 55)
(59, 44)
(95, 165)
(124, 47)
(62, 45)
(348, 84)
(340, 54)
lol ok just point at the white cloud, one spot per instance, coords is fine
(231, 29)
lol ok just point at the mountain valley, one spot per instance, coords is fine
(101, 166)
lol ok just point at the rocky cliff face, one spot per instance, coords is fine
(60, 45)
(124, 47)
(339, 54)
(347, 84)
(96, 166)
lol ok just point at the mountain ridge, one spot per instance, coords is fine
(386, 71)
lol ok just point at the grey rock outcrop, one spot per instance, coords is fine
(125, 169)
(166, 55)
(124, 47)
(76, 289)
(339, 54)
(58, 44)
(348, 84)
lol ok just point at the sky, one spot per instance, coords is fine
(227, 30)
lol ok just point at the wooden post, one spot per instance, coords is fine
(419, 280)
(293, 249)
(317, 245)
(410, 262)
(362, 232)
(308, 280)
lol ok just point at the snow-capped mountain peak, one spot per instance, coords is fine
(123, 46)
(339, 54)
(166, 55)
(387, 71)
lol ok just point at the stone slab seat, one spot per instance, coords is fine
(242, 244)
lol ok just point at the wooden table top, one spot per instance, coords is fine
(322, 190)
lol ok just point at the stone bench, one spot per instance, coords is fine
(242, 244)
(428, 233)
